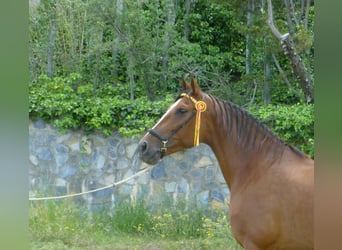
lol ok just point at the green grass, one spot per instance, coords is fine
(63, 225)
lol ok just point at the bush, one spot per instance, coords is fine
(81, 106)
(294, 124)
(85, 107)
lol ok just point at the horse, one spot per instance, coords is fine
(271, 183)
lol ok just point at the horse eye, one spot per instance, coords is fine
(181, 111)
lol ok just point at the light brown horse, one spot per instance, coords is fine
(271, 183)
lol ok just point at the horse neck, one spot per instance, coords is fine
(243, 146)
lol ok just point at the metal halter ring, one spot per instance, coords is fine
(163, 149)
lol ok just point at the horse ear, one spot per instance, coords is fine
(185, 84)
(194, 85)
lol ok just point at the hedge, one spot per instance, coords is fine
(81, 106)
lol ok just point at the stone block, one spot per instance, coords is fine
(39, 124)
(143, 179)
(109, 179)
(85, 145)
(62, 138)
(103, 193)
(122, 163)
(61, 159)
(170, 187)
(84, 160)
(121, 150)
(158, 171)
(109, 168)
(100, 161)
(68, 171)
(202, 198)
(33, 160)
(136, 162)
(113, 141)
(209, 173)
(60, 182)
(44, 154)
(99, 141)
(50, 138)
(125, 189)
(112, 153)
(217, 195)
(204, 161)
(130, 150)
(60, 148)
(75, 145)
(196, 173)
(196, 187)
(183, 186)
(129, 173)
(40, 140)
(185, 166)
(220, 177)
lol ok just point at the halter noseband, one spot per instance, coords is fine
(200, 106)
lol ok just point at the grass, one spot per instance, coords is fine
(63, 225)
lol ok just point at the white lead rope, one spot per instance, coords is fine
(91, 191)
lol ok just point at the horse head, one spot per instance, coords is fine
(176, 129)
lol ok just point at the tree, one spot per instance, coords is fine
(143, 47)
(290, 51)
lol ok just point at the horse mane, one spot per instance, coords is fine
(248, 129)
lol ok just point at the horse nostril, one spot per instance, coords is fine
(143, 147)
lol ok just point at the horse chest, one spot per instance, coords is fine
(260, 218)
(253, 221)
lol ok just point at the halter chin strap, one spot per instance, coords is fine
(200, 106)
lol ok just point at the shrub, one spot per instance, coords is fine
(294, 124)
(84, 107)
(81, 106)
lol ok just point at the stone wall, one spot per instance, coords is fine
(74, 162)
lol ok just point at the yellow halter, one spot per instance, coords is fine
(200, 106)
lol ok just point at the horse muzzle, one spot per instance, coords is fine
(149, 153)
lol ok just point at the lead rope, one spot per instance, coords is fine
(200, 107)
(94, 190)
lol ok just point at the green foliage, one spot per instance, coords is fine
(89, 108)
(294, 124)
(71, 106)
(108, 60)
(140, 47)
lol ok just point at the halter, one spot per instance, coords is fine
(200, 106)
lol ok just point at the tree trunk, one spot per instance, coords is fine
(288, 17)
(307, 11)
(250, 10)
(268, 76)
(296, 62)
(51, 48)
(115, 52)
(283, 75)
(130, 72)
(186, 20)
(171, 17)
